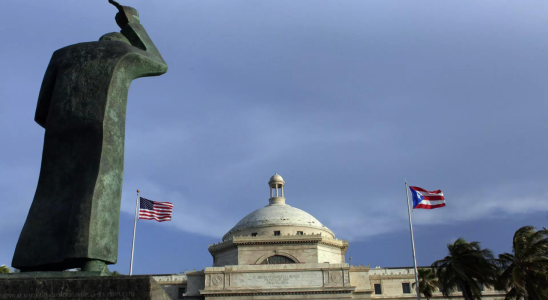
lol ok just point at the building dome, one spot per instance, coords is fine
(278, 216)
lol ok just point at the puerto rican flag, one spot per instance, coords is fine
(426, 199)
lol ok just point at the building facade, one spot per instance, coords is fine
(282, 252)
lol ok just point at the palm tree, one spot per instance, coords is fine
(115, 273)
(467, 266)
(5, 269)
(525, 270)
(428, 282)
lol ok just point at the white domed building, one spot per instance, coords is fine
(276, 234)
(282, 252)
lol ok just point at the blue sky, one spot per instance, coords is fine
(344, 99)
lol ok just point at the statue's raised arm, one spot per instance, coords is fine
(129, 22)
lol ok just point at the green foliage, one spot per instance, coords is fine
(5, 269)
(467, 266)
(428, 282)
(115, 273)
(525, 270)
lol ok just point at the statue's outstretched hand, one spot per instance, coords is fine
(125, 14)
(115, 3)
(120, 18)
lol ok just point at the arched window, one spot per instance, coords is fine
(277, 259)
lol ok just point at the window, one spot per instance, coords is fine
(182, 290)
(253, 234)
(378, 289)
(276, 233)
(459, 289)
(277, 259)
(406, 288)
(300, 233)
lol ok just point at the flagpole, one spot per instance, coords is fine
(412, 241)
(134, 228)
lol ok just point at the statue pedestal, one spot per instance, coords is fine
(84, 286)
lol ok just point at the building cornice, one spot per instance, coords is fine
(256, 292)
(283, 239)
(275, 268)
(392, 276)
(359, 268)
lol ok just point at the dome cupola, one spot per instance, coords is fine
(278, 217)
(276, 184)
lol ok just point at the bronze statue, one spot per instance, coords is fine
(74, 218)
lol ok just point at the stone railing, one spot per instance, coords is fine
(391, 271)
(359, 268)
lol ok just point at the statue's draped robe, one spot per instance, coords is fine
(75, 213)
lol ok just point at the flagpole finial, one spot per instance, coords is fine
(138, 191)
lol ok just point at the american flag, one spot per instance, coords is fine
(426, 199)
(152, 210)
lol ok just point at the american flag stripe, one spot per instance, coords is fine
(163, 204)
(153, 214)
(145, 217)
(152, 210)
(156, 218)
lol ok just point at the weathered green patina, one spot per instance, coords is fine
(74, 218)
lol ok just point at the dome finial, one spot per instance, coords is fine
(276, 183)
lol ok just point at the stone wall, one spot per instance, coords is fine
(359, 277)
(329, 254)
(172, 290)
(171, 283)
(195, 283)
(286, 281)
(300, 248)
(255, 254)
(227, 257)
